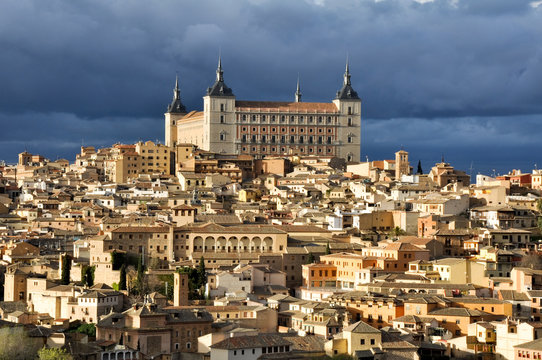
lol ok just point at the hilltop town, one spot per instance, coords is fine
(114, 257)
(254, 232)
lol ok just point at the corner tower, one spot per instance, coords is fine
(349, 125)
(175, 111)
(219, 130)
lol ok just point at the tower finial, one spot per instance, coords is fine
(219, 72)
(176, 90)
(347, 72)
(298, 91)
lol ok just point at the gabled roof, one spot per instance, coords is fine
(361, 328)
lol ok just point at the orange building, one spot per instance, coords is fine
(319, 275)
(394, 258)
(375, 311)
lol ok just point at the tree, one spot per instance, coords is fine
(202, 274)
(122, 280)
(337, 163)
(155, 263)
(420, 171)
(194, 285)
(54, 354)
(88, 329)
(117, 259)
(87, 275)
(15, 344)
(397, 231)
(328, 249)
(140, 276)
(532, 261)
(65, 271)
(311, 259)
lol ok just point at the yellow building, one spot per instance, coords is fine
(155, 158)
(127, 162)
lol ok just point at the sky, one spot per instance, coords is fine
(459, 79)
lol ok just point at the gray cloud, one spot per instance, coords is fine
(422, 63)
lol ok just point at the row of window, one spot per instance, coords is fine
(283, 150)
(291, 140)
(285, 130)
(299, 118)
(152, 151)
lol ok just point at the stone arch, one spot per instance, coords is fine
(256, 244)
(198, 243)
(244, 244)
(209, 244)
(233, 244)
(267, 244)
(221, 243)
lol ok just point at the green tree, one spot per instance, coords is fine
(122, 280)
(539, 205)
(194, 285)
(140, 278)
(201, 274)
(88, 329)
(311, 259)
(87, 275)
(166, 285)
(328, 249)
(397, 231)
(420, 170)
(117, 259)
(54, 354)
(15, 344)
(337, 163)
(65, 271)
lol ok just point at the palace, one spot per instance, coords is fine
(261, 128)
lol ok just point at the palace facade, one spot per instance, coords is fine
(261, 128)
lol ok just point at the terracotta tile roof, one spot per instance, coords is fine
(249, 342)
(140, 229)
(305, 107)
(403, 247)
(192, 115)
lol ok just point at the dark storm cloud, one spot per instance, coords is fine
(61, 134)
(100, 60)
(487, 144)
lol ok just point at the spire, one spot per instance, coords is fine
(176, 90)
(219, 72)
(219, 88)
(347, 73)
(298, 91)
(176, 105)
(347, 92)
